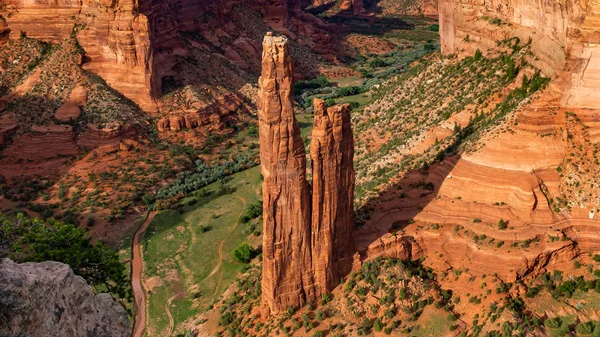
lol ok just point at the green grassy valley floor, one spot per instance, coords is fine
(187, 252)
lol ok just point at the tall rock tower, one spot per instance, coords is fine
(287, 278)
(332, 154)
(307, 247)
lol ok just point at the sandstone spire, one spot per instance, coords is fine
(306, 248)
(286, 276)
(332, 154)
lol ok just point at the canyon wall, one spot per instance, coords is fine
(306, 251)
(134, 45)
(564, 35)
(113, 34)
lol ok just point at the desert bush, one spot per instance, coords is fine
(244, 253)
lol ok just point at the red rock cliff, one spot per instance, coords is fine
(286, 275)
(113, 34)
(332, 154)
(134, 44)
(565, 36)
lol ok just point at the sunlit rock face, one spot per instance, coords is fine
(565, 37)
(307, 242)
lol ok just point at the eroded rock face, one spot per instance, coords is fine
(356, 6)
(287, 279)
(134, 45)
(306, 250)
(4, 31)
(113, 34)
(332, 154)
(47, 299)
(565, 37)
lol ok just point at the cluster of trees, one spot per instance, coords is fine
(253, 211)
(244, 253)
(204, 174)
(33, 240)
(315, 83)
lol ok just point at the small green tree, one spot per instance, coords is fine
(33, 240)
(502, 224)
(585, 328)
(511, 70)
(244, 253)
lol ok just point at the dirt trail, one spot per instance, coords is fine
(218, 267)
(137, 267)
(168, 310)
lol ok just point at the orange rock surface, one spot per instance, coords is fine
(564, 37)
(134, 46)
(286, 274)
(71, 109)
(356, 6)
(332, 154)
(306, 251)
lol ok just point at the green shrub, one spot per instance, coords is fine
(36, 241)
(252, 212)
(315, 83)
(244, 253)
(252, 130)
(502, 224)
(377, 63)
(585, 328)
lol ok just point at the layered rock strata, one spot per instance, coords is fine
(136, 45)
(565, 38)
(305, 250)
(47, 299)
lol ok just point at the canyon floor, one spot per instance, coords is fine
(476, 189)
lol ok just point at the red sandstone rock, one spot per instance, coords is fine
(8, 126)
(356, 6)
(332, 154)
(564, 37)
(108, 137)
(70, 110)
(133, 45)
(287, 279)
(4, 31)
(305, 251)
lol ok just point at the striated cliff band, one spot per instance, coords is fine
(136, 46)
(564, 37)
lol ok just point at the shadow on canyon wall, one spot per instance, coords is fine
(394, 208)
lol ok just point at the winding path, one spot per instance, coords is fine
(137, 267)
(218, 267)
(168, 310)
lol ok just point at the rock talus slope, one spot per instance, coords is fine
(286, 277)
(47, 299)
(332, 154)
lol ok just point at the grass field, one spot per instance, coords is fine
(361, 99)
(433, 323)
(187, 252)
